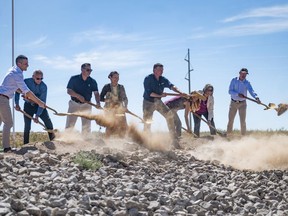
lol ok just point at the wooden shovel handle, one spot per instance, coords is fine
(190, 132)
(29, 116)
(218, 132)
(55, 112)
(133, 114)
(173, 94)
(251, 99)
(92, 104)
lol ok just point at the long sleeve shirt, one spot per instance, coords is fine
(12, 81)
(240, 87)
(39, 90)
(210, 107)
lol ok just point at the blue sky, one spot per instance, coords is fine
(130, 36)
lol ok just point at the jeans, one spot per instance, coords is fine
(197, 123)
(31, 110)
(177, 123)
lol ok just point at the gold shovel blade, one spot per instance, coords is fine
(271, 106)
(148, 122)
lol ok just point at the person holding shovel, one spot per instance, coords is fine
(154, 85)
(116, 102)
(179, 103)
(80, 88)
(39, 88)
(206, 109)
(12, 81)
(238, 90)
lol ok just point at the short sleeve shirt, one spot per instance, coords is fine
(151, 84)
(82, 87)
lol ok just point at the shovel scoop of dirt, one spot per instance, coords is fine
(281, 108)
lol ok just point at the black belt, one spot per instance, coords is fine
(237, 101)
(4, 96)
(77, 101)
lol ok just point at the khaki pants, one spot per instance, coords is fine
(78, 107)
(241, 108)
(6, 118)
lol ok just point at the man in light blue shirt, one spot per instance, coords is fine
(12, 82)
(39, 88)
(238, 90)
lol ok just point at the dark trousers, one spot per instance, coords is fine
(158, 105)
(197, 123)
(31, 110)
(177, 123)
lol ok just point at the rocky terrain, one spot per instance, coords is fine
(41, 179)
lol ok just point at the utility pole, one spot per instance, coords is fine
(187, 58)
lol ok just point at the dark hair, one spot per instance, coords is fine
(244, 69)
(112, 74)
(83, 66)
(157, 65)
(20, 58)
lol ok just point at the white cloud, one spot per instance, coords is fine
(103, 35)
(104, 60)
(269, 20)
(268, 12)
(40, 42)
(253, 29)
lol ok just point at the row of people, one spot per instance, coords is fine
(81, 87)
(155, 83)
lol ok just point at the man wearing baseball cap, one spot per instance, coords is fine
(238, 90)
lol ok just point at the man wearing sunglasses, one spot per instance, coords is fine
(80, 88)
(39, 88)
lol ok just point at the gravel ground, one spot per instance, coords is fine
(207, 176)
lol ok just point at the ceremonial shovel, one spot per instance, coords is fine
(44, 127)
(142, 120)
(218, 132)
(194, 94)
(267, 107)
(190, 132)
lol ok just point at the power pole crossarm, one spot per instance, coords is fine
(189, 83)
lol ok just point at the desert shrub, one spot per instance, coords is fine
(87, 160)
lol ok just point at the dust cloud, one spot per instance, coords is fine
(248, 153)
(153, 141)
(72, 141)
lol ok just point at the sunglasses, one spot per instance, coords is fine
(39, 78)
(88, 70)
(211, 90)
